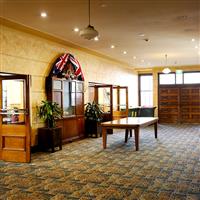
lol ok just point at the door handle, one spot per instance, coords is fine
(13, 111)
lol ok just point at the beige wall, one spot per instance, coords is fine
(157, 70)
(24, 51)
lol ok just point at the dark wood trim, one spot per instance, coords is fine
(178, 85)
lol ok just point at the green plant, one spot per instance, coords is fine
(93, 112)
(49, 112)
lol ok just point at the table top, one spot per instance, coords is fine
(130, 122)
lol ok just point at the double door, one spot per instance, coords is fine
(180, 103)
(113, 100)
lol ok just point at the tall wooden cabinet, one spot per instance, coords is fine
(69, 94)
(179, 103)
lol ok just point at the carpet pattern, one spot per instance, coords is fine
(167, 168)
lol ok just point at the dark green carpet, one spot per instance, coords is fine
(167, 168)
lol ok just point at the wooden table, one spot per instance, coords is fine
(129, 123)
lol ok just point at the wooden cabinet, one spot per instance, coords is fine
(70, 96)
(180, 103)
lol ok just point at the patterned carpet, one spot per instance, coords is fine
(167, 168)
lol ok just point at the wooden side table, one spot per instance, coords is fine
(50, 138)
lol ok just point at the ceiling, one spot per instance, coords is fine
(168, 25)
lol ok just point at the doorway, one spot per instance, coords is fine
(14, 118)
(112, 99)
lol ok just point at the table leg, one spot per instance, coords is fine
(136, 131)
(104, 137)
(126, 135)
(130, 132)
(156, 129)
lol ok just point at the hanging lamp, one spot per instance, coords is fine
(89, 32)
(166, 70)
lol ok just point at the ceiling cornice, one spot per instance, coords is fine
(173, 68)
(53, 38)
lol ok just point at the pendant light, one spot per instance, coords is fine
(166, 70)
(89, 32)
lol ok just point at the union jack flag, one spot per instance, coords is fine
(62, 64)
(77, 68)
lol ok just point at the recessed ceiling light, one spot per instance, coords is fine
(142, 61)
(43, 14)
(76, 29)
(96, 39)
(196, 47)
(193, 40)
(141, 34)
(103, 5)
(134, 57)
(124, 52)
(112, 46)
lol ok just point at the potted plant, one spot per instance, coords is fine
(50, 136)
(93, 117)
(49, 111)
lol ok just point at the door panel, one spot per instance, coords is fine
(104, 97)
(120, 99)
(169, 102)
(179, 103)
(14, 118)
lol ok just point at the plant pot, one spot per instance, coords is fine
(92, 128)
(50, 138)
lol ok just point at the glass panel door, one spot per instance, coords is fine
(120, 99)
(13, 105)
(104, 97)
(14, 118)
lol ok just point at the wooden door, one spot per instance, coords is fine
(190, 104)
(180, 103)
(14, 118)
(169, 102)
(79, 98)
(120, 102)
(104, 97)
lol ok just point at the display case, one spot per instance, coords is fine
(69, 95)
